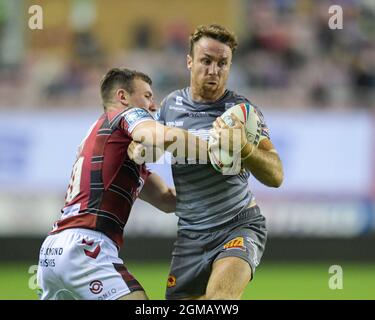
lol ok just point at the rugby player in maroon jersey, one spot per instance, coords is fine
(79, 258)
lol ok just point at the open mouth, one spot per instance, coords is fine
(212, 83)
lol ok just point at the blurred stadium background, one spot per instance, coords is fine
(316, 87)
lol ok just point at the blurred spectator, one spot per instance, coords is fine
(362, 75)
(142, 36)
(86, 47)
(3, 19)
(176, 37)
(70, 83)
(320, 95)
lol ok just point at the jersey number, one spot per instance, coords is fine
(75, 181)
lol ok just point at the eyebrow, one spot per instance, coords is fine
(211, 57)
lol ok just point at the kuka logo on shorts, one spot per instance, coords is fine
(171, 281)
(96, 286)
(236, 243)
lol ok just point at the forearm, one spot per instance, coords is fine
(164, 199)
(168, 204)
(265, 165)
(177, 141)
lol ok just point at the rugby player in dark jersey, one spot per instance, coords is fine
(79, 258)
(221, 231)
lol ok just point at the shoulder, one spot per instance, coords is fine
(174, 96)
(133, 116)
(237, 98)
(129, 114)
(174, 100)
(135, 113)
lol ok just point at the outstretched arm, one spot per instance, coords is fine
(140, 154)
(177, 141)
(157, 193)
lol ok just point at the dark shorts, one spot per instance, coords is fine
(194, 252)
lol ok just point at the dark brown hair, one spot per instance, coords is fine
(117, 78)
(216, 32)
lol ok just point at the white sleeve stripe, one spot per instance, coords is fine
(132, 127)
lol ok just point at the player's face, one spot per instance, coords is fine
(209, 68)
(142, 96)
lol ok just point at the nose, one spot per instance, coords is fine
(212, 69)
(152, 107)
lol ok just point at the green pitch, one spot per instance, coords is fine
(272, 281)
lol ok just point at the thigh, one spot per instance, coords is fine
(236, 260)
(246, 241)
(228, 279)
(190, 266)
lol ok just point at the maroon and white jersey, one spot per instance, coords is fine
(105, 182)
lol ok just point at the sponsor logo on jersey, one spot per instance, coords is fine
(171, 107)
(96, 286)
(198, 114)
(179, 101)
(136, 114)
(204, 134)
(171, 281)
(236, 243)
(70, 211)
(174, 123)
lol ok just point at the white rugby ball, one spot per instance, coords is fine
(220, 158)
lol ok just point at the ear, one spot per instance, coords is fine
(189, 61)
(122, 96)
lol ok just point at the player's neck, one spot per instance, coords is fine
(114, 107)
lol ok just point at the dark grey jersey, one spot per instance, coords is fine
(205, 198)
